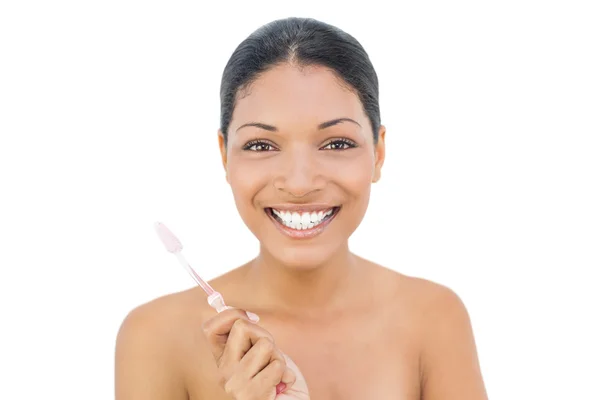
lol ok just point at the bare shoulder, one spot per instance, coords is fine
(430, 305)
(161, 351)
(153, 343)
(449, 365)
(166, 319)
(421, 295)
(434, 297)
(439, 308)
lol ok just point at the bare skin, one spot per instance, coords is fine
(412, 340)
(356, 330)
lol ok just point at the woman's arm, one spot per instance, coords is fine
(145, 365)
(449, 363)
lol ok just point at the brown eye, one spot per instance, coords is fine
(339, 144)
(259, 145)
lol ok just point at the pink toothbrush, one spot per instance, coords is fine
(173, 245)
(215, 299)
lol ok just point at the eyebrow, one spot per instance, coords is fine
(323, 125)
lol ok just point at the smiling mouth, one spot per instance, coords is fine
(303, 221)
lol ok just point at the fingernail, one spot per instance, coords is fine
(280, 387)
(253, 317)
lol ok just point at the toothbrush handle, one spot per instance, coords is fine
(205, 286)
(216, 301)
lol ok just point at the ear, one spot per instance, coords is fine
(223, 150)
(379, 154)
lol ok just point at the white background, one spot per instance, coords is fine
(108, 119)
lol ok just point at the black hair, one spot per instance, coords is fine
(301, 42)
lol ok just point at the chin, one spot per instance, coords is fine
(301, 258)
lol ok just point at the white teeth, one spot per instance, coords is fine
(313, 217)
(301, 221)
(305, 220)
(296, 218)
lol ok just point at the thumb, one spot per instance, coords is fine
(289, 376)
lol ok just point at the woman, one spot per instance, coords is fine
(301, 144)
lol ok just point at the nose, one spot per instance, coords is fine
(299, 173)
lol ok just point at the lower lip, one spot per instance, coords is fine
(305, 233)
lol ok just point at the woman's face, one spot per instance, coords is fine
(300, 175)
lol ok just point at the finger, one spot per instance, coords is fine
(254, 361)
(258, 357)
(222, 322)
(270, 376)
(217, 328)
(289, 377)
(242, 337)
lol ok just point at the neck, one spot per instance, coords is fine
(293, 289)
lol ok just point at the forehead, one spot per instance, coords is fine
(286, 95)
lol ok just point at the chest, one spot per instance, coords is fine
(354, 361)
(375, 356)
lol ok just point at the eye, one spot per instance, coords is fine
(339, 144)
(258, 145)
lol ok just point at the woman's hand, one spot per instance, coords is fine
(251, 366)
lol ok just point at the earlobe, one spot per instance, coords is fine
(223, 150)
(379, 154)
(376, 176)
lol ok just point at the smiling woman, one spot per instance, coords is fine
(298, 160)
(301, 143)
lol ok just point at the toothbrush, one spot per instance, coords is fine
(215, 299)
(173, 245)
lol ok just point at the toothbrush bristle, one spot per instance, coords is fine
(170, 241)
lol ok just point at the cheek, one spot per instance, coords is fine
(355, 175)
(245, 182)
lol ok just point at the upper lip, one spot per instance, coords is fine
(302, 207)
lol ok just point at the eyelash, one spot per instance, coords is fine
(253, 143)
(342, 141)
(261, 143)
